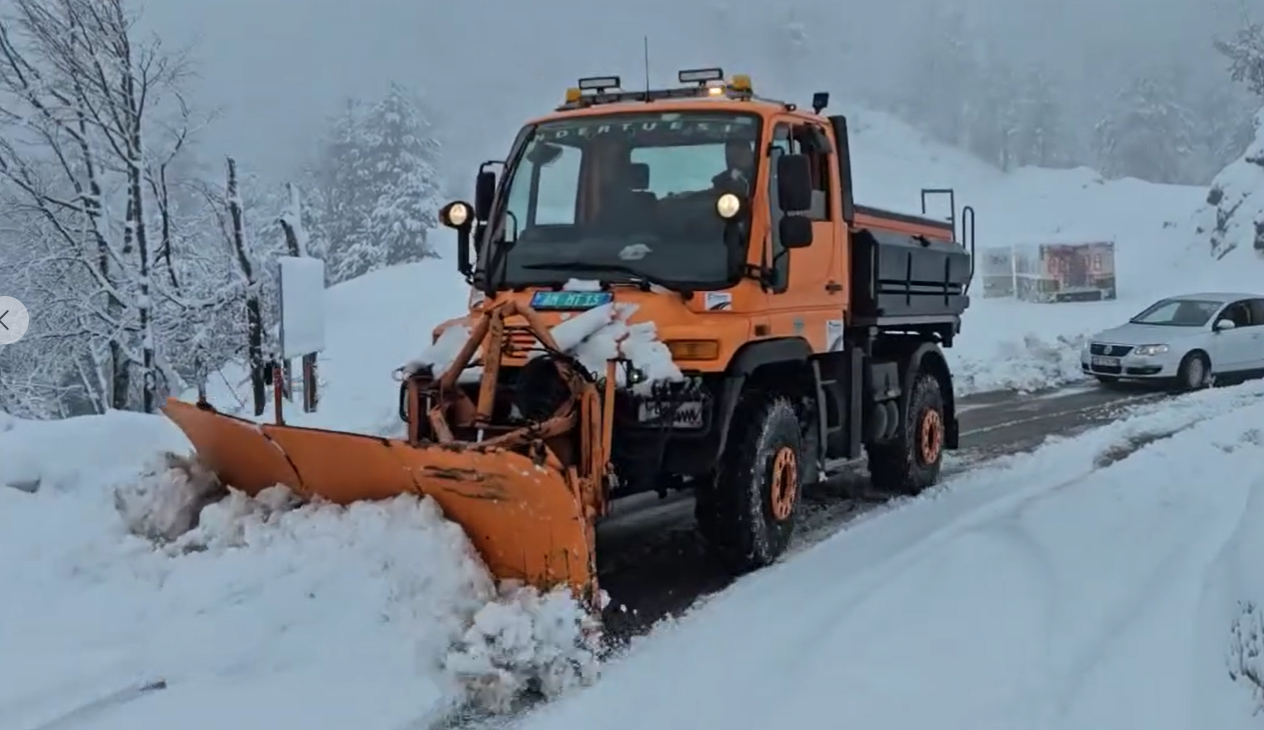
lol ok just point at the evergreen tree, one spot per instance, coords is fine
(1039, 139)
(402, 156)
(1151, 132)
(1245, 52)
(938, 93)
(376, 188)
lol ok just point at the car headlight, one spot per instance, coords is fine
(1147, 350)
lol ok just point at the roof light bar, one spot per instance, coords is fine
(600, 83)
(700, 75)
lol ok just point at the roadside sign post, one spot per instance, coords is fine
(302, 317)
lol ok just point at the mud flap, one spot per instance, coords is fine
(524, 519)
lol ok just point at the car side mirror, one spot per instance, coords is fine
(795, 231)
(794, 183)
(484, 191)
(1225, 324)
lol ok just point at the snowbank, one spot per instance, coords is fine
(1024, 346)
(1233, 217)
(268, 613)
(1090, 584)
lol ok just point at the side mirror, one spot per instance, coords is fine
(458, 216)
(795, 232)
(1225, 324)
(484, 191)
(794, 183)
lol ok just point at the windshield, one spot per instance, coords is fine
(628, 196)
(1178, 313)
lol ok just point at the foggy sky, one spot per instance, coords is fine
(276, 67)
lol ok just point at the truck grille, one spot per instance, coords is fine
(520, 341)
(1101, 348)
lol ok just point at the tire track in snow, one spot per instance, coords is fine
(661, 572)
(980, 507)
(1185, 562)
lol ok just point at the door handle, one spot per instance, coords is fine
(833, 287)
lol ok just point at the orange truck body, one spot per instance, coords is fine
(795, 357)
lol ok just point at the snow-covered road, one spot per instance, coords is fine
(1069, 588)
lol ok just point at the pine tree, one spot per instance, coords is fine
(1151, 132)
(1245, 52)
(376, 189)
(403, 156)
(1040, 140)
(943, 75)
(340, 193)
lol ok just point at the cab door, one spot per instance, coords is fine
(808, 296)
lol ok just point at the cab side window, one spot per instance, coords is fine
(782, 144)
(803, 136)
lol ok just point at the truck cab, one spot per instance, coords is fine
(808, 328)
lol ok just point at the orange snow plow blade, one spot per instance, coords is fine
(528, 512)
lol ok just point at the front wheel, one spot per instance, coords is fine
(747, 514)
(1194, 372)
(912, 461)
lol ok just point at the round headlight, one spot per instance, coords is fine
(728, 205)
(458, 214)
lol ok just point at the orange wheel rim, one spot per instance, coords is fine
(785, 482)
(932, 436)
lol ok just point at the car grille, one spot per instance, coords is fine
(1100, 348)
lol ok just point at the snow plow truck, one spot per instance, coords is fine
(806, 330)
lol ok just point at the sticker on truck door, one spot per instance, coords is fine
(718, 301)
(834, 330)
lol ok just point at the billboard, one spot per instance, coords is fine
(996, 267)
(1050, 272)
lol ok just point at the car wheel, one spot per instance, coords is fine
(1194, 372)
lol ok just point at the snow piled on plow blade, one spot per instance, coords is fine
(268, 612)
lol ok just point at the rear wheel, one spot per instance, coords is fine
(747, 514)
(912, 461)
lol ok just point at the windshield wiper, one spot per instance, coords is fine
(631, 275)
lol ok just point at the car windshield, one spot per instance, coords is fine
(627, 196)
(1178, 313)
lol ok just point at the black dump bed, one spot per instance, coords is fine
(897, 276)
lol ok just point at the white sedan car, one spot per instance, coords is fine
(1186, 341)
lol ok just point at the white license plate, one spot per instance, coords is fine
(1105, 362)
(687, 414)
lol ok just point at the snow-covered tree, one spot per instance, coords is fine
(403, 155)
(1245, 52)
(376, 189)
(938, 91)
(1040, 138)
(93, 120)
(1226, 126)
(1150, 133)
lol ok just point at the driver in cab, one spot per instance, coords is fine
(739, 167)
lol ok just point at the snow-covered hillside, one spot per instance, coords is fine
(1107, 581)
(1230, 225)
